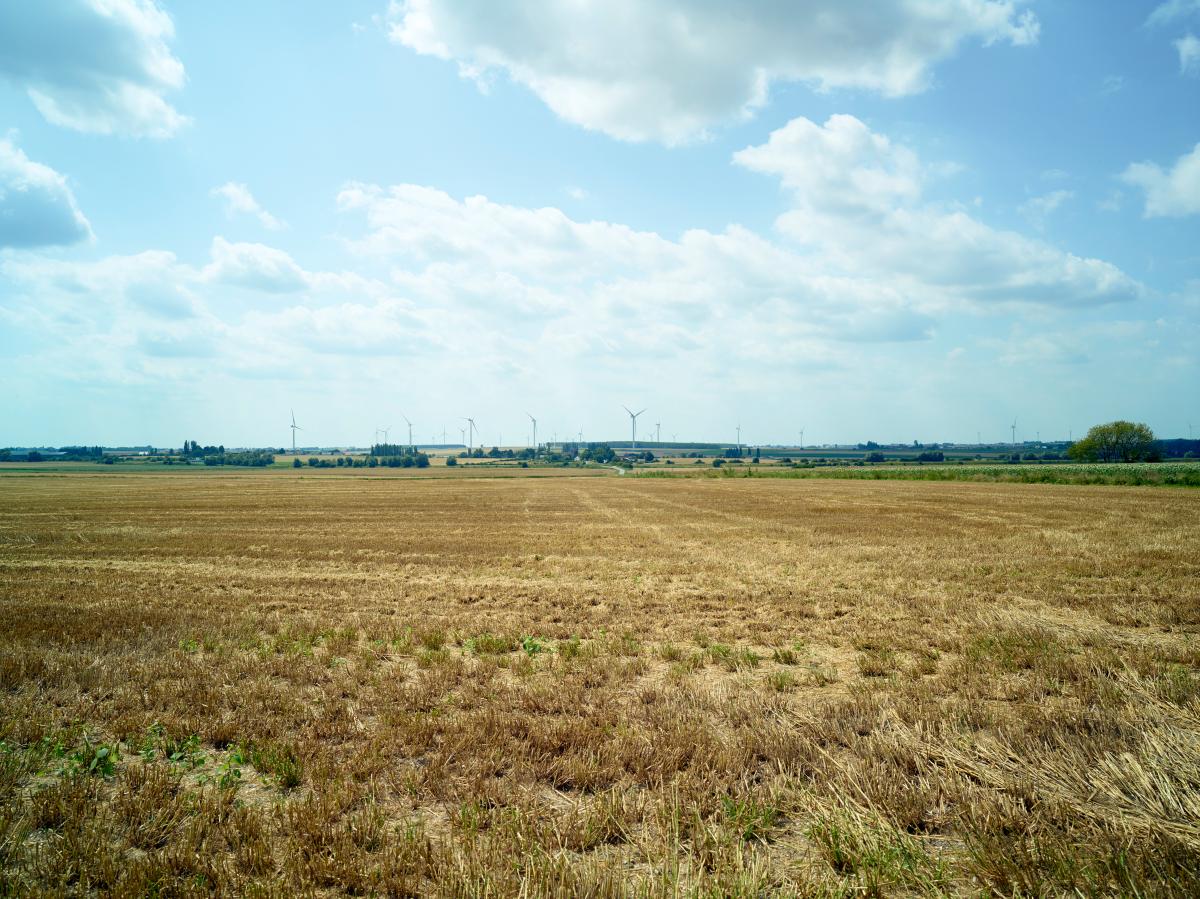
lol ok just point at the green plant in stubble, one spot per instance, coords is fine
(229, 772)
(533, 646)
(279, 761)
(782, 681)
(185, 753)
(93, 760)
(752, 819)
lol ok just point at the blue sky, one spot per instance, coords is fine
(887, 221)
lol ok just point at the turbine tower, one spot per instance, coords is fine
(535, 443)
(739, 441)
(409, 423)
(633, 417)
(295, 428)
(658, 432)
(802, 438)
(471, 431)
(1014, 433)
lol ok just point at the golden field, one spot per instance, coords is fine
(275, 683)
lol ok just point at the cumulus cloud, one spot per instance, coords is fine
(143, 318)
(857, 197)
(239, 200)
(842, 166)
(256, 266)
(467, 287)
(100, 66)
(667, 70)
(37, 207)
(1173, 192)
(866, 259)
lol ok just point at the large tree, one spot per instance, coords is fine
(1117, 441)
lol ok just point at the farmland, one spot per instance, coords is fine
(271, 683)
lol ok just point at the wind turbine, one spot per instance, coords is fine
(658, 432)
(463, 432)
(385, 430)
(471, 431)
(534, 420)
(1014, 433)
(802, 439)
(295, 428)
(739, 441)
(409, 423)
(633, 417)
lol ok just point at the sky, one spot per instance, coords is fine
(869, 220)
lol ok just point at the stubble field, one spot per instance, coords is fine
(272, 684)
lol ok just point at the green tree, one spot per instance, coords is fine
(1117, 441)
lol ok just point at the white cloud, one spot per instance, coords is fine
(1173, 10)
(238, 199)
(841, 166)
(256, 266)
(37, 207)
(468, 290)
(1188, 48)
(153, 282)
(856, 197)
(667, 70)
(1037, 209)
(100, 66)
(1171, 193)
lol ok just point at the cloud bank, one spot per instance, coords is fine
(668, 70)
(100, 66)
(37, 207)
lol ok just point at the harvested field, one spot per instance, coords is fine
(270, 684)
